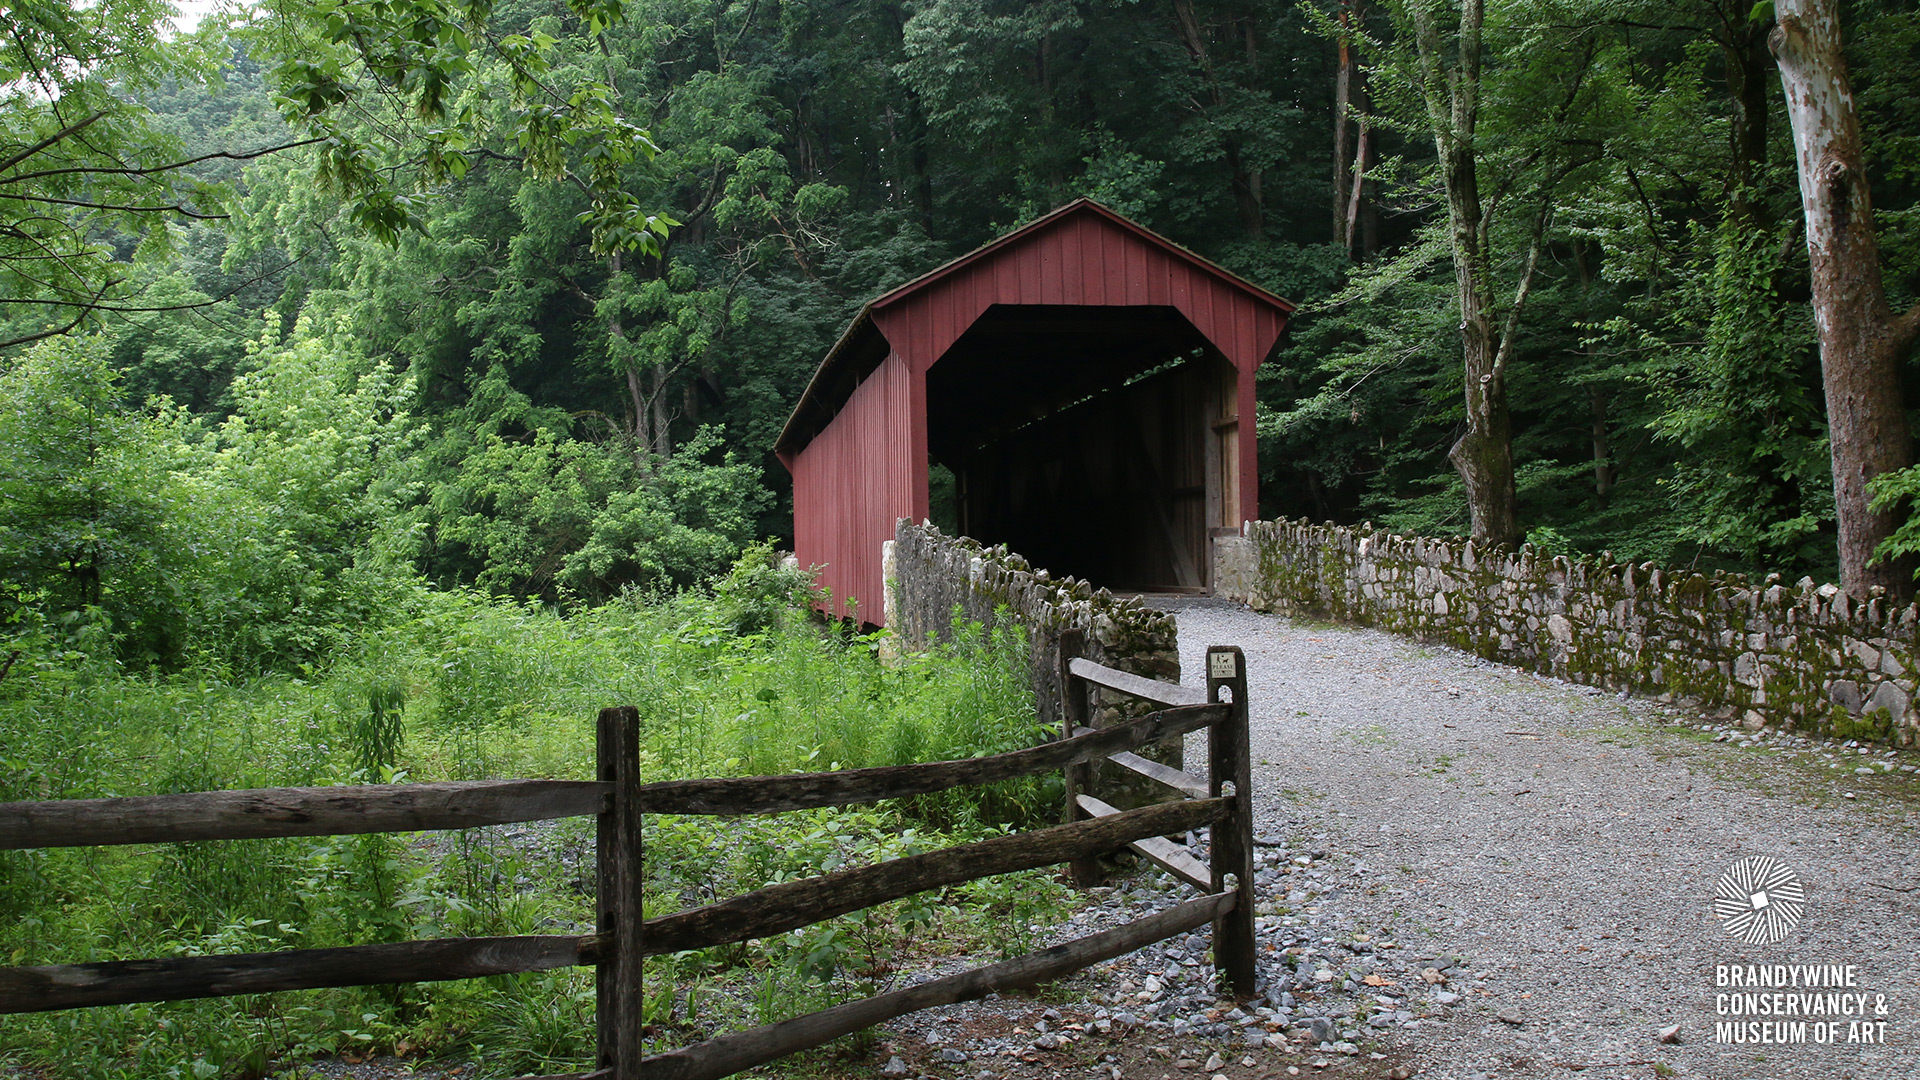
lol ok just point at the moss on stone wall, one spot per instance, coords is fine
(1803, 657)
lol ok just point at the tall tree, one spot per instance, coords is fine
(1350, 109)
(1243, 173)
(1862, 342)
(1510, 136)
(1448, 80)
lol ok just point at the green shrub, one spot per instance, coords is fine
(743, 681)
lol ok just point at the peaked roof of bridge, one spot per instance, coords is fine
(845, 350)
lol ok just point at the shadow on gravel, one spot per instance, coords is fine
(1068, 1045)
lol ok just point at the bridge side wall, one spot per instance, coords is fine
(930, 576)
(1796, 656)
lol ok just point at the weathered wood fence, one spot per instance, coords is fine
(1223, 801)
(621, 939)
(345, 811)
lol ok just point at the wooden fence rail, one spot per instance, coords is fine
(847, 787)
(1229, 868)
(346, 811)
(729, 1054)
(260, 813)
(790, 905)
(1220, 802)
(123, 982)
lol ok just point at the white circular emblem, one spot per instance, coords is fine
(1759, 900)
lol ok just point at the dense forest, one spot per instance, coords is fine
(314, 303)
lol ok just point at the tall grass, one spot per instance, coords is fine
(738, 684)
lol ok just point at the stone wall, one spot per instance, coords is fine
(1771, 654)
(929, 575)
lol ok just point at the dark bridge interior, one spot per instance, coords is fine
(1095, 441)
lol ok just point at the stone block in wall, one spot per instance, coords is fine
(1232, 565)
(1890, 696)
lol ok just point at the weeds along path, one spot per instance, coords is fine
(1551, 852)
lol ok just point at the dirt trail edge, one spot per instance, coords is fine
(1518, 873)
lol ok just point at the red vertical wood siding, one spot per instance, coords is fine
(855, 478)
(868, 466)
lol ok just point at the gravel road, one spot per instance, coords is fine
(1551, 852)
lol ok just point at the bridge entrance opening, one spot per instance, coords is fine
(1098, 442)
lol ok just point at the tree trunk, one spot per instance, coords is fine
(1247, 178)
(1483, 455)
(922, 173)
(1349, 158)
(1365, 157)
(1862, 343)
(1246, 191)
(1604, 470)
(1746, 59)
(1342, 84)
(1602, 445)
(1356, 197)
(1318, 492)
(617, 335)
(912, 142)
(1244, 179)
(662, 444)
(642, 417)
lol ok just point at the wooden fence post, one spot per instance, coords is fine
(1073, 710)
(617, 990)
(1227, 762)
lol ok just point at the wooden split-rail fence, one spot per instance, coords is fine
(622, 939)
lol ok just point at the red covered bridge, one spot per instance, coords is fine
(1088, 383)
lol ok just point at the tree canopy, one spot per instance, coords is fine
(586, 255)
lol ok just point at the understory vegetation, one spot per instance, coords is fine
(743, 681)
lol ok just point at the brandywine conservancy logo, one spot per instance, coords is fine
(1759, 900)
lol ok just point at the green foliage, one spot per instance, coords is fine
(385, 87)
(1893, 491)
(1746, 407)
(760, 593)
(552, 515)
(542, 348)
(82, 160)
(782, 697)
(298, 504)
(472, 215)
(83, 534)
(1664, 379)
(275, 536)
(472, 688)
(1021, 905)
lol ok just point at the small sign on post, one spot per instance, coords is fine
(1223, 665)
